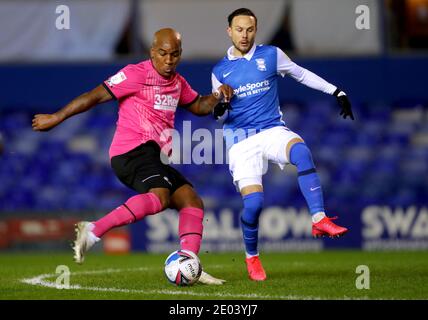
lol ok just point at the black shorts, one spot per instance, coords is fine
(141, 169)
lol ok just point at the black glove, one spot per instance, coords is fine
(344, 103)
(220, 109)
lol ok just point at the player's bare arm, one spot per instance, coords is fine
(45, 122)
(205, 105)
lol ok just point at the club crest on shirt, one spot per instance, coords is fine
(261, 65)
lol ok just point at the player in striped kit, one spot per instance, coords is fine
(148, 94)
(255, 133)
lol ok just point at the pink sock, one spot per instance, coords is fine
(134, 209)
(190, 228)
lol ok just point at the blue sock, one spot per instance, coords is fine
(253, 204)
(309, 182)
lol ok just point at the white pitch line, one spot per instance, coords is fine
(40, 281)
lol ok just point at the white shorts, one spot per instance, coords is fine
(248, 159)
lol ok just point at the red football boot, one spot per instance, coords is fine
(255, 269)
(327, 228)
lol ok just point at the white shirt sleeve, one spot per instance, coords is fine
(287, 67)
(215, 83)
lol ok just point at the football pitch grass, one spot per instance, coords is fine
(291, 275)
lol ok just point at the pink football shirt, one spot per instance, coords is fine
(147, 105)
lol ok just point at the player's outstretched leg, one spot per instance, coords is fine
(310, 187)
(134, 209)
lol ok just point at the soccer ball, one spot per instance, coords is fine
(183, 268)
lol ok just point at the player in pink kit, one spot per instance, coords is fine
(148, 94)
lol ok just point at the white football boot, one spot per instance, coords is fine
(205, 278)
(85, 239)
